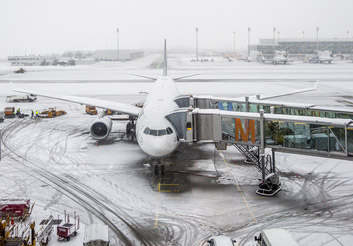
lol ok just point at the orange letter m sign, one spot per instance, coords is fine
(249, 130)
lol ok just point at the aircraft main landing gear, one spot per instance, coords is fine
(131, 128)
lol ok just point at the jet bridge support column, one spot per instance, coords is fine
(270, 184)
(262, 146)
(273, 160)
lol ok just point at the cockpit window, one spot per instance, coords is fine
(153, 132)
(146, 131)
(162, 132)
(169, 130)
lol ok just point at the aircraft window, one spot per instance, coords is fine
(162, 132)
(169, 130)
(146, 131)
(153, 132)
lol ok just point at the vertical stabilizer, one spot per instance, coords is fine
(165, 59)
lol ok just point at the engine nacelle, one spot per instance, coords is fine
(101, 128)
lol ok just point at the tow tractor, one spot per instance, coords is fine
(91, 110)
(68, 230)
(20, 70)
(51, 113)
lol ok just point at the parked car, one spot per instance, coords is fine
(221, 241)
(275, 237)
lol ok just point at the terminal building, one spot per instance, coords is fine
(31, 60)
(303, 47)
(111, 55)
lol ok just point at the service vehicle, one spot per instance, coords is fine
(21, 98)
(9, 112)
(20, 70)
(275, 237)
(68, 230)
(18, 208)
(91, 110)
(45, 230)
(96, 235)
(322, 57)
(51, 113)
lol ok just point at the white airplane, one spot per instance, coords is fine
(156, 136)
(154, 133)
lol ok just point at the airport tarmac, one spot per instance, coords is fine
(206, 192)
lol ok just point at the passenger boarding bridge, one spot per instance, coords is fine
(252, 125)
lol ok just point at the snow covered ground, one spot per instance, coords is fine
(58, 165)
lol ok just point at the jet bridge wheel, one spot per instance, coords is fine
(270, 186)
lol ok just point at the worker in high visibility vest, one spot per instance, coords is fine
(37, 115)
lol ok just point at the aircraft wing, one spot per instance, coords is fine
(257, 99)
(105, 104)
(290, 92)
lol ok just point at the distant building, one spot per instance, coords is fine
(111, 55)
(87, 61)
(302, 47)
(31, 60)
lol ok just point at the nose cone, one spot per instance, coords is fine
(159, 146)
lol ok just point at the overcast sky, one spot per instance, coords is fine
(54, 26)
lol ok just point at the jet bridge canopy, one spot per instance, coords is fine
(288, 133)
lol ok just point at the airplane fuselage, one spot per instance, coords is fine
(155, 134)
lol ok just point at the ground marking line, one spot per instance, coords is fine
(240, 191)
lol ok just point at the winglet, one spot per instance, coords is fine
(316, 84)
(165, 59)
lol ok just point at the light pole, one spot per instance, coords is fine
(117, 46)
(249, 30)
(274, 41)
(347, 34)
(197, 44)
(317, 41)
(234, 44)
(303, 34)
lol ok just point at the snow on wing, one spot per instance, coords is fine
(105, 104)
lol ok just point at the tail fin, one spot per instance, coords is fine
(165, 59)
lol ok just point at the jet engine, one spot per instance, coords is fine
(101, 128)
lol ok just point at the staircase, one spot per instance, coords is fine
(251, 156)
